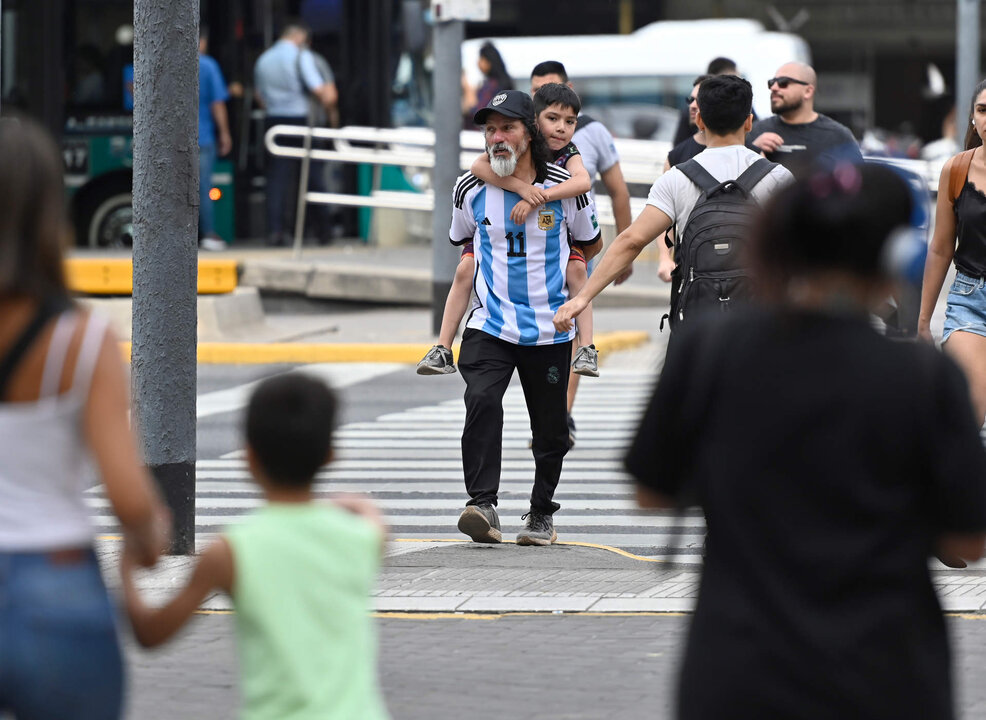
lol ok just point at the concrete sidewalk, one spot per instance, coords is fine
(354, 271)
(376, 300)
(465, 577)
(367, 273)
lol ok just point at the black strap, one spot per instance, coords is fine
(305, 90)
(694, 171)
(747, 181)
(754, 174)
(45, 312)
(584, 120)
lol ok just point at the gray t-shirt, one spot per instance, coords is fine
(675, 195)
(595, 143)
(821, 140)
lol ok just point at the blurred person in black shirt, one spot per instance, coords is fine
(830, 462)
(686, 121)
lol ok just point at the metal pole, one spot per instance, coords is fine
(447, 94)
(166, 200)
(966, 58)
(302, 206)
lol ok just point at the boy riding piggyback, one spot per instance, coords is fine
(556, 108)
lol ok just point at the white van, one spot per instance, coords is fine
(639, 82)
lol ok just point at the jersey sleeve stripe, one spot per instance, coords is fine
(465, 183)
(581, 201)
(463, 188)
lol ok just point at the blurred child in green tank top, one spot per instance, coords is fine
(299, 572)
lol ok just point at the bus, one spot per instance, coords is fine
(80, 87)
(67, 63)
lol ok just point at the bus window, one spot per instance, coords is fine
(98, 53)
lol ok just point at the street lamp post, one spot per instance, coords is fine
(447, 110)
(966, 57)
(166, 200)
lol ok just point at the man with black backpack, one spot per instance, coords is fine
(710, 198)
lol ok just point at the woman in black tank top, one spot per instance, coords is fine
(960, 236)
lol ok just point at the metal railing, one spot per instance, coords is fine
(642, 162)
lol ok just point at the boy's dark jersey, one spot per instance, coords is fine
(565, 154)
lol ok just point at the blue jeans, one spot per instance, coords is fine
(207, 161)
(59, 652)
(966, 308)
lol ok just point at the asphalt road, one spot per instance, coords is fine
(385, 389)
(549, 667)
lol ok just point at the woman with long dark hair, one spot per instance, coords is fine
(831, 464)
(63, 406)
(496, 79)
(960, 238)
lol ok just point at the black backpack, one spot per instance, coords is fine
(710, 271)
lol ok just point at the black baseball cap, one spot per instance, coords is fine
(512, 103)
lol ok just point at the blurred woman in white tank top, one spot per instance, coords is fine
(63, 406)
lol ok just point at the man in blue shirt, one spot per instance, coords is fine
(286, 76)
(212, 119)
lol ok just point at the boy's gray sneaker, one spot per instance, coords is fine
(586, 361)
(539, 529)
(437, 361)
(480, 522)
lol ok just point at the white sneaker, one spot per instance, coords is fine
(586, 361)
(437, 361)
(213, 244)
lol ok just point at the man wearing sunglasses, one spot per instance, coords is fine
(797, 136)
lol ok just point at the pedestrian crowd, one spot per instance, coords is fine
(831, 463)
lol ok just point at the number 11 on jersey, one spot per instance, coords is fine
(518, 245)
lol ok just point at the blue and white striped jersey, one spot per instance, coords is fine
(520, 269)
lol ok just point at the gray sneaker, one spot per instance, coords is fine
(480, 522)
(437, 361)
(586, 361)
(539, 529)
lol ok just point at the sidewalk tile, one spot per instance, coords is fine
(486, 603)
(416, 604)
(644, 605)
(959, 603)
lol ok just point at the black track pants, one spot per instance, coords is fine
(487, 364)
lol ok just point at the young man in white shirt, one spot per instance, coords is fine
(724, 114)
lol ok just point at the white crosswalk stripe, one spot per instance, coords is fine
(409, 462)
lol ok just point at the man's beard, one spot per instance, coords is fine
(786, 108)
(504, 166)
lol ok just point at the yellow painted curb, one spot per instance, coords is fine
(114, 276)
(404, 353)
(574, 543)
(454, 615)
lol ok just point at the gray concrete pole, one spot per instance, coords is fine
(447, 94)
(166, 200)
(966, 59)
